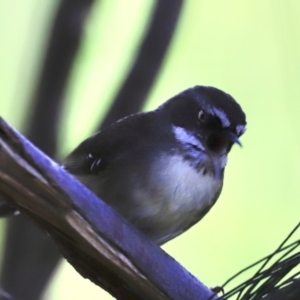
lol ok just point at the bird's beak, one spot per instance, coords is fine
(232, 137)
(219, 162)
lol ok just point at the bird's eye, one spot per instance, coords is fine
(202, 116)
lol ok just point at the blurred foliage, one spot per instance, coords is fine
(249, 49)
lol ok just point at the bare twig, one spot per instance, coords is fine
(276, 277)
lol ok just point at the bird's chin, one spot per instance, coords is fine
(218, 165)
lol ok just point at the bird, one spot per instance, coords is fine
(163, 170)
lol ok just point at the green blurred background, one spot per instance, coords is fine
(249, 49)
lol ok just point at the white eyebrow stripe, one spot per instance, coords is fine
(222, 116)
(186, 137)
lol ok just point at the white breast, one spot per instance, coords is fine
(178, 194)
(190, 189)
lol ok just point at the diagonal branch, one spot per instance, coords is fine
(63, 45)
(99, 243)
(148, 61)
(28, 255)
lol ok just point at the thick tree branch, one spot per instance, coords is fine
(98, 242)
(39, 254)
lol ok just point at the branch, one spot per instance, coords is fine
(26, 248)
(63, 45)
(99, 243)
(289, 292)
(148, 61)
